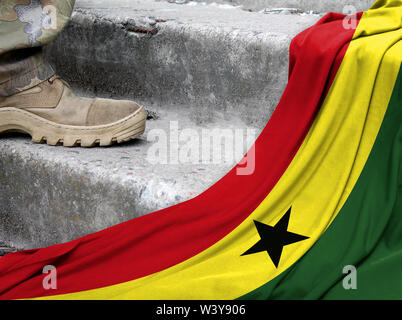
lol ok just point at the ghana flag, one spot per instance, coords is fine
(326, 193)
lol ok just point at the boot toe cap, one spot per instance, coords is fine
(105, 111)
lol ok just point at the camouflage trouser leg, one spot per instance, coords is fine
(26, 26)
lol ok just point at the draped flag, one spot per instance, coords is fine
(326, 193)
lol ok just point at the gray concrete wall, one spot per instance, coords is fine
(209, 59)
(305, 5)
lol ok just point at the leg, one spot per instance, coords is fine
(35, 100)
(26, 26)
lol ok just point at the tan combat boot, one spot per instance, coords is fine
(51, 112)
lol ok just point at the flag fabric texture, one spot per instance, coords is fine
(326, 193)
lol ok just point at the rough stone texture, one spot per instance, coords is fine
(50, 195)
(209, 58)
(305, 5)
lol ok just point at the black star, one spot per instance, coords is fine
(273, 239)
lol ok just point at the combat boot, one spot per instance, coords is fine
(51, 113)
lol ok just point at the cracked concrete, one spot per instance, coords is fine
(195, 68)
(320, 6)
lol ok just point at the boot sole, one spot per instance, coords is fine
(42, 130)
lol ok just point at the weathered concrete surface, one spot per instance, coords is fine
(304, 5)
(50, 195)
(5, 249)
(208, 58)
(205, 67)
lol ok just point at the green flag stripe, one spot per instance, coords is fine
(367, 233)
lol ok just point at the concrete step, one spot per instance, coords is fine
(196, 68)
(50, 195)
(319, 6)
(206, 57)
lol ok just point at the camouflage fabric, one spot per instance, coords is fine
(25, 27)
